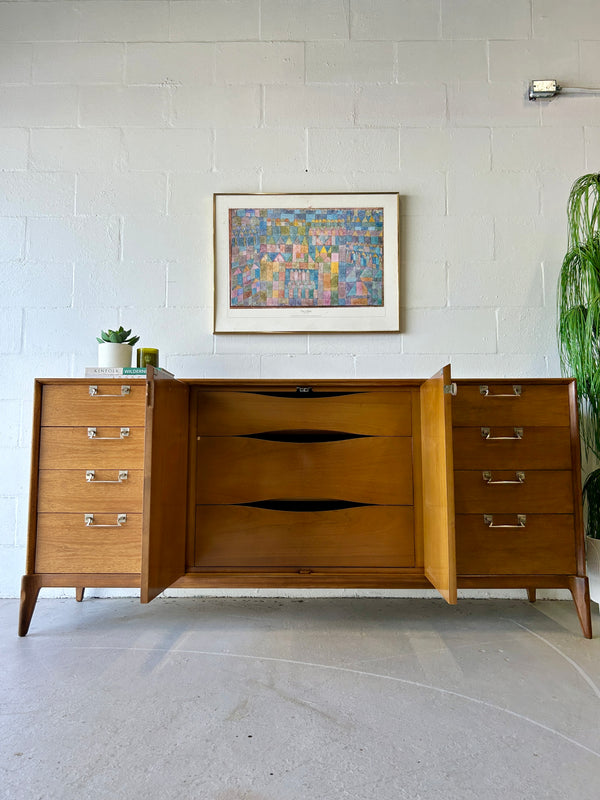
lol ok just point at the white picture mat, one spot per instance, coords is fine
(307, 319)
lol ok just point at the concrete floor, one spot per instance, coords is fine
(282, 699)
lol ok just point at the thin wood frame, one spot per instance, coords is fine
(310, 307)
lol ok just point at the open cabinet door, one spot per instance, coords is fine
(165, 483)
(438, 484)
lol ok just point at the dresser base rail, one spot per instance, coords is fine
(577, 585)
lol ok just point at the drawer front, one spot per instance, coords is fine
(545, 405)
(238, 536)
(240, 470)
(523, 492)
(72, 448)
(108, 490)
(538, 448)
(369, 413)
(544, 546)
(66, 544)
(72, 404)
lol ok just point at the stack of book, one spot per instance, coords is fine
(121, 372)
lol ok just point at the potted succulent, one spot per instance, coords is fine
(115, 348)
(579, 344)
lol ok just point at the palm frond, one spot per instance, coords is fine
(579, 305)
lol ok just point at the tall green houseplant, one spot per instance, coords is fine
(579, 325)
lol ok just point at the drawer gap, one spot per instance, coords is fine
(304, 392)
(304, 505)
(304, 436)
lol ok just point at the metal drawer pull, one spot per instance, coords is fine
(488, 520)
(487, 477)
(485, 391)
(93, 390)
(92, 435)
(485, 433)
(90, 476)
(89, 521)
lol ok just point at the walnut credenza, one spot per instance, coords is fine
(191, 483)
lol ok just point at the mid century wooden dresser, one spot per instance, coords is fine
(191, 483)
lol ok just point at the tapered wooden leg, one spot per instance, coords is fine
(79, 590)
(580, 590)
(531, 594)
(30, 588)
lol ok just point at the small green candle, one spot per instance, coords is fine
(146, 356)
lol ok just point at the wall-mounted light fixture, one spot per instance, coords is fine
(546, 89)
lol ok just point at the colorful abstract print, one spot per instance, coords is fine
(325, 257)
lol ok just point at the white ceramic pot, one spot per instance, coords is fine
(593, 567)
(114, 355)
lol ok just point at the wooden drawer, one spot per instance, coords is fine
(66, 544)
(69, 490)
(72, 448)
(368, 413)
(544, 546)
(72, 404)
(539, 448)
(538, 404)
(238, 536)
(366, 470)
(541, 491)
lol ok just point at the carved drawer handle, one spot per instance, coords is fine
(92, 435)
(93, 390)
(487, 477)
(486, 434)
(89, 521)
(488, 520)
(90, 476)
(485, 391)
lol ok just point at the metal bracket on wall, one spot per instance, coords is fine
(549, 88)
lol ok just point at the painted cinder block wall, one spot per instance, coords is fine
(120, 118)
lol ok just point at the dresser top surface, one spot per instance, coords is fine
(292, 383)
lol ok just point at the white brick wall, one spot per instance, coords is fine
(78, 63)
(554, 20)
(75, 150)
(512, 60)
(349, 62)
(8, 511)
(117, 21)
(405, 104)
(120, 118)
(12, 238)
(173, 62)
(260, 62)
(123, 106)
(102, 194)
(486, 19)
(244, 149)
(301, 20)
(214, 20)
(38, 106)
(73, 239)
(15, 62)
(216, 106)
(440, 62)
(11, 325)
(313, 106)
(395, 20)
(32, 22)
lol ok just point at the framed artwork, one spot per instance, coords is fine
(290, 263)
